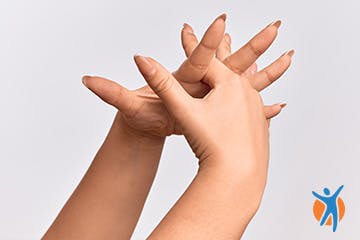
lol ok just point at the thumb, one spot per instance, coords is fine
(163, 83)
(111, 93)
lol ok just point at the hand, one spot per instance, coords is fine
(144, 113)
(228, 132)
(227, 128)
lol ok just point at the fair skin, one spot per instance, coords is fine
(108, 201)
(228, 132)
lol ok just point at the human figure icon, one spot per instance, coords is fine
(330, 202)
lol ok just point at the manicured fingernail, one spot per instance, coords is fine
(188, 28)
(290, 52)
(282, 105)
(222, 16)
(275, 23)
(144, 64)
(84, 80)
(227, 38)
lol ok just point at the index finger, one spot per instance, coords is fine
(196, 66)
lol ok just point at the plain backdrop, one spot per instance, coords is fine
(51, 126)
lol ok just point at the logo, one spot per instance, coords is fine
(329, 209)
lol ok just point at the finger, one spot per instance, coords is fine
(196, 66)
(224, 49)
(273, 110)
(242, 59)
(205, 51)
(271, 73)
(164, 85)
(111, 92)
(189, 40)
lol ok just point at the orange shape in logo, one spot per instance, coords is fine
(319, 209)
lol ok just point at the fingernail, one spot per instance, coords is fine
(222, 16)
(290, 52)
(276, 23)
(188, 28)
(145, 66)
(282, 105)
(227, 38)
(84, 80)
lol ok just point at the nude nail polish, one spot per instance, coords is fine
(290, 52)
(222, 16)
(84, 80)
(188, 28)
(144, 65)
(282, 105)
(275, 23)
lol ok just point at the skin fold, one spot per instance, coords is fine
(213, 100)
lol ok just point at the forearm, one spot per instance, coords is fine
(217, 205)
(109, 199)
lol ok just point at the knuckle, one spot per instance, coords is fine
(269, 75)
(254, 48)
(283, 62)
(233, 64)
(228, 62)
(207, 46)
(164, 84)
(198, 65)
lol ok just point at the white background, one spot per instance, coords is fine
(51, 126)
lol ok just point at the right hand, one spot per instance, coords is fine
(227, 129)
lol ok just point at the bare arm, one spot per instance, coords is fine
(109, 199)
(217, 205)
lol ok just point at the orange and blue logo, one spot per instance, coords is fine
(329, 209)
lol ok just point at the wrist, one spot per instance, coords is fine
(245, 179)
